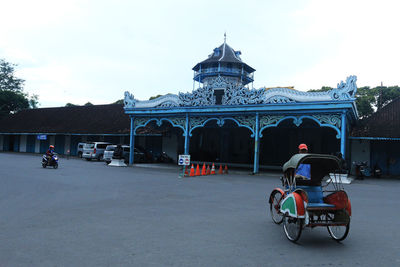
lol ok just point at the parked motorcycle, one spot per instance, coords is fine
(377, 171)
(52, 162)
(363, 170)
(164, 158)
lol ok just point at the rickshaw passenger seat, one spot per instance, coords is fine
(314, 193)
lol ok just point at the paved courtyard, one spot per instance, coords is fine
(89, 214)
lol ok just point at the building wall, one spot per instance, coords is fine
(1, 142)
(37, 146)
(67, 146)
(360, 151)
(23, 143)
(30, 143)
(386, 156)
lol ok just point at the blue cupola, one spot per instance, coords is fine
(225, 62)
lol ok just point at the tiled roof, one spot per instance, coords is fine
(96, 119)
(384, 123)
(224, 54)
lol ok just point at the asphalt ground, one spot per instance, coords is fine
(89, 214)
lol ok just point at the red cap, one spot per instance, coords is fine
(303, 146)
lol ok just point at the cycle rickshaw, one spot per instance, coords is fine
(311, 201)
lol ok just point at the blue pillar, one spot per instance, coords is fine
(132, 142)
(256, 145)
(343, 136)
(187, 137)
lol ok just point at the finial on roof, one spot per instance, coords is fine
(225, 37)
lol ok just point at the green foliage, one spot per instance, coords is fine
(70, 105)
(88, 104)
(154, 97)
(12, 101)
(323, 89)
(12, 97)
(368, 100)
(121, 101)
(7, 79)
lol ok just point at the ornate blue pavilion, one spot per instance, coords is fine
(224, 98)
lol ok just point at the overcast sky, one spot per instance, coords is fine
(80, 51)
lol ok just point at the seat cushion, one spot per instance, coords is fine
(314, 193)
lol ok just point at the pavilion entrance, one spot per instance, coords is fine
(226, 144)
(279, 143)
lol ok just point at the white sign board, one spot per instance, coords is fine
(184, 160)
(41, 137)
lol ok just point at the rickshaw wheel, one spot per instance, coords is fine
(292, 228)
(339, 233)
(277, 217)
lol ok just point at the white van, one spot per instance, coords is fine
(94, 150)
(80, 149)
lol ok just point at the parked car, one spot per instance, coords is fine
(80, 149)
(94, 150)
(108, 153)
(139, 155)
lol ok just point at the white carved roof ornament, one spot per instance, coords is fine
(238, 95)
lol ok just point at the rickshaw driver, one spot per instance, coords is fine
(304, 170)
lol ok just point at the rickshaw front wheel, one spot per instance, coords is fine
(292, 227)
(274, 206)
(339, 232)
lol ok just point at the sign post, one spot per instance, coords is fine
(183, 160)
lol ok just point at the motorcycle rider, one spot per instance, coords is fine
(50, 153)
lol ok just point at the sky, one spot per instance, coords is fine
(93, 51)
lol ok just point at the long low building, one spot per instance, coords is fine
(376, 140)
(33, 130)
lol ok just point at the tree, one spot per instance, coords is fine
(121, 101)
(368, 100)
(70, 105)
(154, 97)
(323, 89)
(12, 97)
(88, 104)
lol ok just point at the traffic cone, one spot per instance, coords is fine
(186, 171)
(203, 170)
(213, 169)
(208, 170)
(191, 171)
(220, 169)
(197, 170)
(226, 169)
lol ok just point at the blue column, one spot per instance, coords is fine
(256, 145)
(343, 136)
(132, 142)
(187, 137)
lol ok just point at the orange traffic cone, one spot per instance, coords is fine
(203, 170)
(226, 169)
(208, 170)
(191, 171)
(213, 169)
(197, 170)
(220, 169)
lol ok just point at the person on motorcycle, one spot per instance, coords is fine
(50, 153)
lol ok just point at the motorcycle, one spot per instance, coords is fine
(362, 170)
(377, 171)
(53, 161)
(164, 158)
